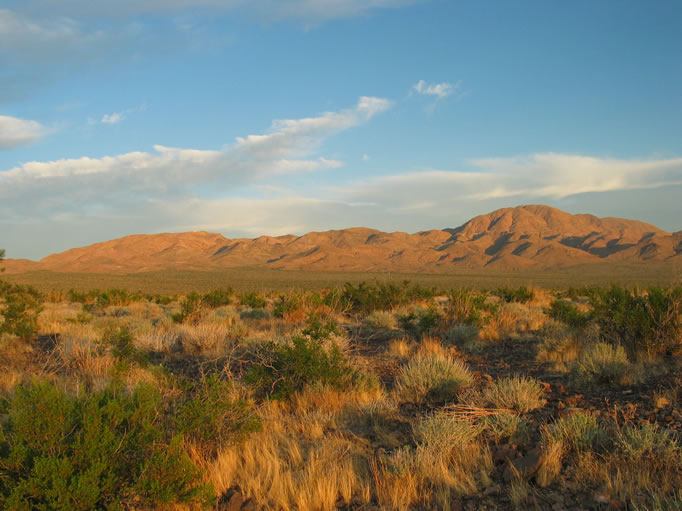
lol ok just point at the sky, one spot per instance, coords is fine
(270, 117)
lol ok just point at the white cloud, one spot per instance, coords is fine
(15, 132)
(175, 172)
(440, 90)
(547, 177)
(114, 118)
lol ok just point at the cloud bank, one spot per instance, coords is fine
(439, 90)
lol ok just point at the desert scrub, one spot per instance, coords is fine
(577, 434)
(421, 323)
(568, 313)
(466, 307)
(506, 427)
(364, 298)
(19, 308)
(105, 450)
(560, 347)
(381, 319)
(214, 416)
(517, 393)
(432, 378)
(640, 322)
(287, 368)
(521, 294)
(602, 363)
(253, 300)
(465, 337)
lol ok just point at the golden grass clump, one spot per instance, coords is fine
(518, 393)
(432, 377)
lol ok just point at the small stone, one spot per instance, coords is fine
(601, 499)
(492, 490)
(558, 506)
(525, 466)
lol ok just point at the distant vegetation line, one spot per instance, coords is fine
(242, 279)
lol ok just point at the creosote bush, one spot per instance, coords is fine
(288, 368)
(640, 321)
(20, 309)
(105, 450)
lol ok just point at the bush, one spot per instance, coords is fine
(602, 363)
(255, 314)
(287, 368)
(381, 319)
(568, 313)
(577, 432)
(20, 310)
(122, 347)
(517, 393)
(217, 298)
(640, 322)
(433, 378)
(466, 306)
(106, 450)
(318, 329)
(254, 300)
(420, 324)
(521, 295)
(212, 417)
(364, 298)
(190, 309)
(463, 336)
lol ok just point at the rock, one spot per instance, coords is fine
(558, 506)
(504, 453)
(600, 498)
(492, 490)
(236, 502)
(525, 466)
(546, 386)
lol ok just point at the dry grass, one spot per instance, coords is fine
(433, 377)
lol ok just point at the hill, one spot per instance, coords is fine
(525, 237)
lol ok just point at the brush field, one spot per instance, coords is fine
(364, 396)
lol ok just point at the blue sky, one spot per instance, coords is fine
(287, 116)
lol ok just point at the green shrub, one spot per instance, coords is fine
(602, 363)
(465, 307)
(212, 417)
(217, 298)
(422, 323)
(190, 309)
(320, 329)
(364, 298)
(20, 309)
(287, 368)
(640, 322)
(122, 347)
(255, 314)
(432, 378)
(105, 450)
(521, 294)
(568, 313)
(287, 304)
(254, 300)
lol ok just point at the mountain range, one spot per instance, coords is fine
(524, 237)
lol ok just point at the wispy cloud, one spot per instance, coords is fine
(439, 90)
(114, 118)
(271, 10)
(169, 173)
(15, 132)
